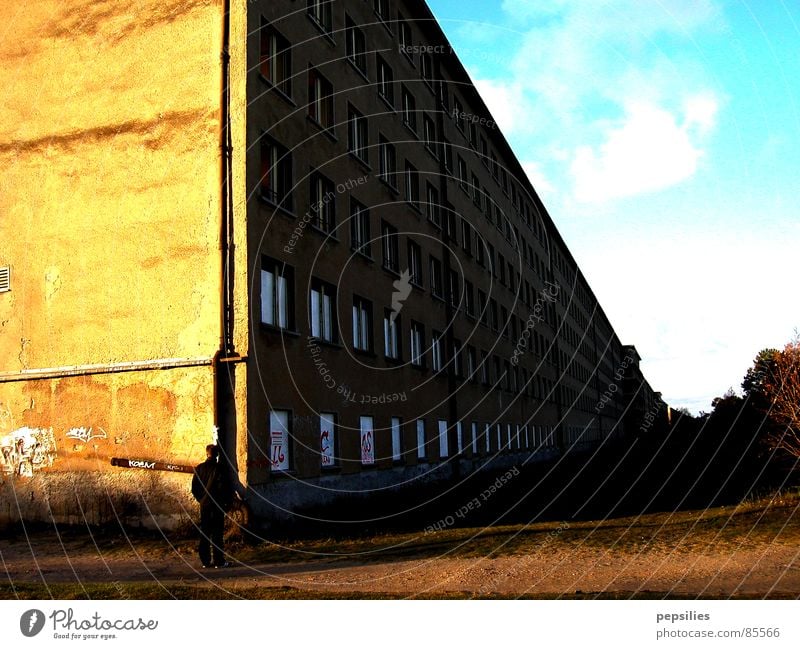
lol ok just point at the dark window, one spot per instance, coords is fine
(469, 298)
(436, 277)
(356, 46)
(320, 99)
(276, 58)
(415, 263)
(385, 81)
(426, 65)
(412, 184)
(323, 202)
(409, 109)
(391, 250)
(320, 12)
(453, 287)
(391, 334)
(432, 207)
(357, 134)
(429, 133)
(359, 228)
(405, 36)
(466, 236)
(417, 344)
(276, 173)
(388, 163)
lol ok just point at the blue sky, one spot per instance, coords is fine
(664, 139)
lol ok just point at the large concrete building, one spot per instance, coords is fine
(292, 222)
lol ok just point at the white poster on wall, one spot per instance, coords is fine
(367, 441)
(327, 439)
(279, 440)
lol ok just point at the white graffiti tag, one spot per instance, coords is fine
(85, 435)
(27, 449)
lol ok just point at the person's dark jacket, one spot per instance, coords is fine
(210, 485)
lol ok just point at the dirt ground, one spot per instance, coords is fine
(558, 570)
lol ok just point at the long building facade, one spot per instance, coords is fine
(297, 230)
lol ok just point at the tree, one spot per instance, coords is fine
(753, 382)
(781, 388)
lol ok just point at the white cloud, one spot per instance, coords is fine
(648, 151)
(538, 179)
(506, 102)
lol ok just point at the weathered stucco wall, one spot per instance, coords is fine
(110, 218)
(110, 192)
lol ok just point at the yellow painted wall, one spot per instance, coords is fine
(110, 218)
(110, 191)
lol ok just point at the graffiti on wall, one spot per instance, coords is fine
(86, 435)
(26, 450)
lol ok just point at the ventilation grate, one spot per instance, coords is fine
(5, 279)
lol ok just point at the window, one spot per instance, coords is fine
(367, 441)
(412, 185)
(474, 430)
(323, 202)
(480, 250)
(405, 36)
(476, 191)
(448, 154)
(277, 294)
(450, 225)
(484, 152)
(362, 324)
(473, 135)
(504, 329)
(462, 174)
(385, 80)
(322, 303)
(409, 109)
(276, 173)
(320, 99)
(458, 112)
(492, 265)
(275, 62)
(327, 439)
(501, 265)
(436, 277)
(484, 368)
(359, 228)
(426, 67)
(453, 287)
(397, 439)
(356, 46)
(498, 377)
(279, 440)
(391, 251)
(436, 351)
(469, 298)
(466, 236)
(417, 344)
(357, 134)
(382, 8)
(493, 314)
(415, 263)
(320, 12)
(388, 163)
(494, 165)
(443, 450)
(489, 209)
(5, 279)
(456, 364)
(472, 363)
(391, 334)
(429, 133)
(484, 315)
(432, 205)
(421, 439)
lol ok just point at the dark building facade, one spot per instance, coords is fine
(414, 313)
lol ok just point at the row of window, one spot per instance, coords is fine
(277, 310)
(276, 68)
(479, 438)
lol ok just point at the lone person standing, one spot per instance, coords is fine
(210, 487)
